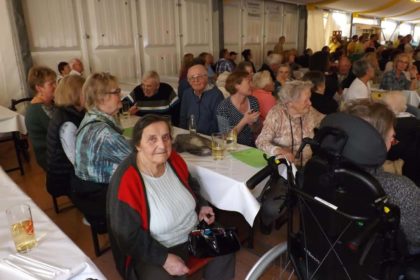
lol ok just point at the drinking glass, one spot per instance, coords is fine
(125, 110)
(192, 125)
(218, 145)
(21, 227)
(231, 139)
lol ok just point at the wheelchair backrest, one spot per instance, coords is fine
(342, 219)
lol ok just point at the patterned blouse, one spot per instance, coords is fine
(100, 147)
(228, 117)
(281, 130)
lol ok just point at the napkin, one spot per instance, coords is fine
(37, 269)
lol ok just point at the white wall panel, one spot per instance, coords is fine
(159, 35)
(53, 31)
(232, 25)
(110, 38)
(196, 22)
(273, 24)
(11, 85)
(290, 26)
(253, 20)
(51, 24)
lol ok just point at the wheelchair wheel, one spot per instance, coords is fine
(275, 264)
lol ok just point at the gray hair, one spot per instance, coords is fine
(261, 79)
(151, 75)
(274, 58)
(396, 101)
(360, 67)
(291, 91)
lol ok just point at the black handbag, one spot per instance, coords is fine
(207, 241)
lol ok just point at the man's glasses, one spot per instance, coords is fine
(195, 78)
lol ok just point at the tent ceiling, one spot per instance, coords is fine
(399, 10)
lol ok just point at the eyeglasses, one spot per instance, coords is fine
(195, 78)
(403, 61)
(115, 91)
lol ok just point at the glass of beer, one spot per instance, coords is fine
(218, 145)
(231, 139)
(21, 227)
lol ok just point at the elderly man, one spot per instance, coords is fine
(201, 101)
(344, 74)
(154, 97)
(360, 88)
(76, 67)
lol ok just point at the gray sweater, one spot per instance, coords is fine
(406, 195)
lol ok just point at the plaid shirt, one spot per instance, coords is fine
(391, 82)
(223, 65)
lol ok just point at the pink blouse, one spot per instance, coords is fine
(279, 129)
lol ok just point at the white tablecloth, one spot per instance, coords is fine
(55, 248)
(11, 121)
(413, 98)
(223, 182)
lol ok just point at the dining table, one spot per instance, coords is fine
(54, 247)
(11, 121)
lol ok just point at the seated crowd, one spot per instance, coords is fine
(117, 185)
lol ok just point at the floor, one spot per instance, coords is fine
(70, 220)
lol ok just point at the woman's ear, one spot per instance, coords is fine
(138, 148)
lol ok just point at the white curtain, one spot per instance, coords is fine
(10, 81)
(330, 26)
(316, 38)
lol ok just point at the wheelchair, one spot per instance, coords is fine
(345, 227)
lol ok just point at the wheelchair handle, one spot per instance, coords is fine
(272, 166)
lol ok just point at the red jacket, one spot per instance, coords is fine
(128, 215)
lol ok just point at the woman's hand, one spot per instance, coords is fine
(206, 214)
(413, 72)
(250, 117)
(175, 266)
(284, 153)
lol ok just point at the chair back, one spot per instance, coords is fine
(20, 105)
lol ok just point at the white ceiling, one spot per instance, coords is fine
(400, 10)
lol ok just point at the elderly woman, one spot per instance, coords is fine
(360, 87)
(100, 146)
(263, 88)
(395, 79)
(408, 134)
(289, 122)
(42, 80)
(319, 101)
(240, 111)
(401, 190)
(152, 203)
(61, 138)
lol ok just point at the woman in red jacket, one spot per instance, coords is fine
(152, 204)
